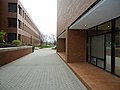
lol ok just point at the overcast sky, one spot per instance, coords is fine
(43, 13)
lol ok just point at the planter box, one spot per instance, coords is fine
(10, 54)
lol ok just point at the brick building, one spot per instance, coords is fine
(89, 31)
(15, 20)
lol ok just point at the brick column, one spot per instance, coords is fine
(76, 46)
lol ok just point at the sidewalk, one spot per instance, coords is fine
(41, 70)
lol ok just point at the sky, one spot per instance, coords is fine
(43, 14)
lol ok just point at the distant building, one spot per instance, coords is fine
(89, 31)
(15, 20)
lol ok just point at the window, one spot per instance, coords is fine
(117, 27)
(23, 14)
(23, 26)
(20, 10)
(92, 31)
(12, 22)
(19, 24)
(117, 53)
(108, 52)
(105, 28)
(12, 36)
(93, 60)
(100, 63)
(12, 7)
(97, 46)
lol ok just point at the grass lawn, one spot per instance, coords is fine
(46, 46)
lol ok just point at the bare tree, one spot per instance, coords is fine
(48, 39)
(44, 39)
(52, 39)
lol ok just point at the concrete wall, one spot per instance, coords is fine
(9, 55)
(76, 46)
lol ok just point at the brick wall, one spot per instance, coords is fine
(61, 45)
(69, 11)
(9, 56)
(76, 46)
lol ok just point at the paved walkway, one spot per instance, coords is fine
(41, 70)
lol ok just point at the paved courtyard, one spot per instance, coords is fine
(41, 70)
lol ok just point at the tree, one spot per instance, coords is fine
(47, 39)
(52, 38)
(44, 39)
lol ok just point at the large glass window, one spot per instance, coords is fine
(100, 63)
(12, 22)
(92, 31)
(93, 60)
(12, 7)
(117, 27)
(98, 46)
(104, 46)
(89, 49)
(105, 27)
(108, 52)
(117, 53)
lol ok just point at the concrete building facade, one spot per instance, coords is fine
(16, 22)
(89, 31)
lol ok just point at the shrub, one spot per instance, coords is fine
(16, 42)
(2, 35)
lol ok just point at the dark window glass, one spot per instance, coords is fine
(20, 10)
(19, 36)
(105, 27)
(92, 31)
(23, 14)
(117, 27)
(12, 22)
(19, 24)
(12, 7)
(12, 36)
(23, 26)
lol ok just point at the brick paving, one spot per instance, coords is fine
(41, 70)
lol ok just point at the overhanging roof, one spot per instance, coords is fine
(63, 35)
(103, 11)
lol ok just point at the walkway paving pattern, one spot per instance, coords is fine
(41, 70)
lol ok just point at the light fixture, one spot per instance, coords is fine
(85, 25)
